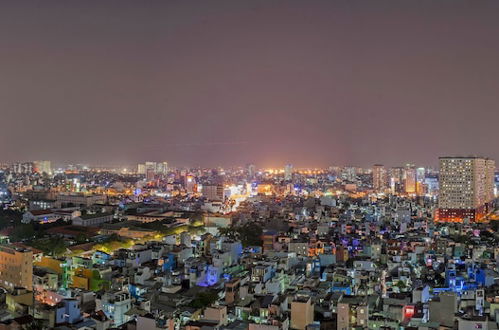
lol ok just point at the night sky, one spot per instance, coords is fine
(207, 83)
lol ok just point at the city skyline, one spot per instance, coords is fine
(173, 164)
(229, 83)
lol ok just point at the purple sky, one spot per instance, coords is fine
(209, 83)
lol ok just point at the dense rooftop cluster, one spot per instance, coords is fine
(240, 249)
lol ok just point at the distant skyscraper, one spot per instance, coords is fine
(141, 169)
(190, 183)
(466, 188)
(251, 170)
(410, 179)
(396, 180)
(379, 178)
(420, 174)
(150, 174)
(162, 168)
(420, 181)
(5, 194)
(288, 172)
(22, 168)
(153, 168)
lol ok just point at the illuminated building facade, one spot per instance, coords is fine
(396, 180)
(352, 313)
(115, 305)
(420, 181)
(214, 192)
(162, 168)
(16, 268)
(190, 184)
(79, 199)
(22, 168)
(410, 179)
(466, 188)
(288, 172)
(153, 168)
(5, 194)
(141, 169)
(379, 178)
(349, 174)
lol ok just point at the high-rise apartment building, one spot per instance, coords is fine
(410, 179)
(420, 174)
(153, 167)
(150, 174)
(22, 168)
(396, 180)
(213, 192)
(251, 170)
(162, 168)
(466, 188)
(288, 172)
(16, 267)
(141, 168)
(490, 180)
(379, 178)
(420, 181)
(190, 183)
